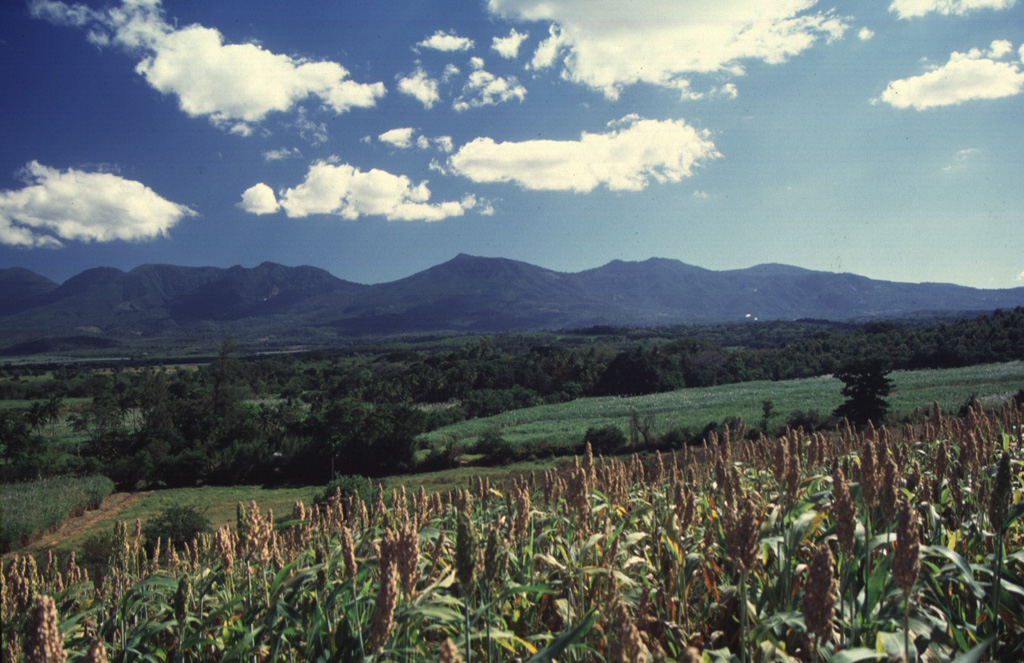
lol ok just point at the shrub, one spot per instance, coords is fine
(347, 484)
(495, 447)
(442, 455)
(178, 523)
(606, 439)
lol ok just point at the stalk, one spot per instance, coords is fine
(743, 616)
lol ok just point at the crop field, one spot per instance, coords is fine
(904, 543)
(566, 423)
(28, 509)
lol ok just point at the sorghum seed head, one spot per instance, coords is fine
(43, 642)
(1000, 499)
(820, 593)
(845, 512)
(906, 563)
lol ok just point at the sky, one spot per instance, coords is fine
(375, 140)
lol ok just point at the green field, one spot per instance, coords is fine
(566, 423)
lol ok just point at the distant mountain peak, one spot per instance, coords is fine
(466, 293)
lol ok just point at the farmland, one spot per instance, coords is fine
(694, 408)
(840, 546)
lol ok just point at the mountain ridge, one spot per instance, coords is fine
(464, 294)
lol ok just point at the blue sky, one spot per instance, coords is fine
(377, 139)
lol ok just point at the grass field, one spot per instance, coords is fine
(566, 423)
(694, 408)
(218, 503)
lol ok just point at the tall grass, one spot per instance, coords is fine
(735, 552)
(29, 509)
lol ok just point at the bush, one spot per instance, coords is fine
(96, 549)
(606, 439)
(442, 456)
(347, 484)
(495, 447)
(677, 438)
(809, 421)
(177, 523)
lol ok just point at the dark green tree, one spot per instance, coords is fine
(865, 386)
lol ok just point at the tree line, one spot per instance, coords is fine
(295, 419)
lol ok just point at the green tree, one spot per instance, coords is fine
(865, 386)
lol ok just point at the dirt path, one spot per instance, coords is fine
(111, 506)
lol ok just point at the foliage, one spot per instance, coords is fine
(177, 523)
(738, 551)
(865, 387)
(495, 448)
(606, 439)
(29, 509)
(345, 485)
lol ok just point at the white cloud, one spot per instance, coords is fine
(234, 85)
(912, 8)
(548, 50)
(999, 48)
(446, 41)
(75, 205)
(865, 33)
(634, 153)
(281, 154)
(337, 188)
(442, 143)
(965, 77)
(608, 44)
(1020, 277)
(508, 47)
(485, 89)
(450, 71)
(401, 137)
(259, 199)
(476, 63)
(960, 158)
(420, 86)
(701, 195)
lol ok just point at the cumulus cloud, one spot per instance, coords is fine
(635, 152)
(234, 85)
(485, 89)
(608, 44)
(331, 187)
(421, 87)
(281, 154)
(508, 47)
(967, 76)
(999, 48)
(913, 8)
(865, 33)
(401, 137)
(259, 199)
(74, 205)
(446, 41)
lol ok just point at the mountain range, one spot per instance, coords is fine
(466, 293)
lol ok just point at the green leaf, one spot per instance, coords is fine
(974, 655)
(854, 655)
(966, 576)
(566, 638)
(1016, 511)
